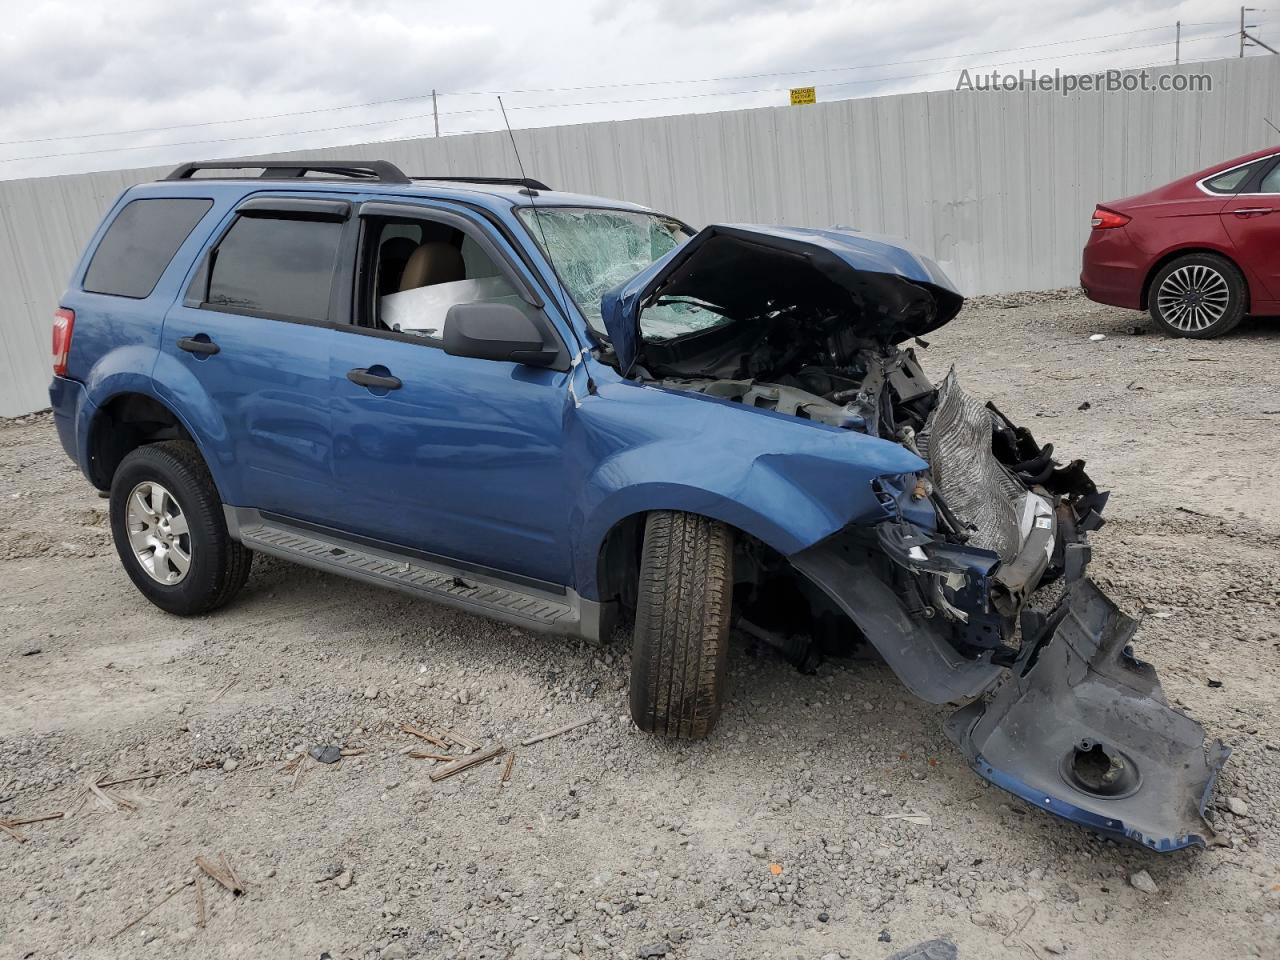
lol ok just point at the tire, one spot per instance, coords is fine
(680, 653)
(175, 493)
(1201, 295)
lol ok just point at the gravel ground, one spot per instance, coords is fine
(779, 837)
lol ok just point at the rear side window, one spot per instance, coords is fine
(139, 244)
(1232, 180)
(269, 266)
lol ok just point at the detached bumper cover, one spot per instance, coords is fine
(1081, 729)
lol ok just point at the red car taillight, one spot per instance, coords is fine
(64, 322)
(1104, 219)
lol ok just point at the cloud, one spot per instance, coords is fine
(89, 67)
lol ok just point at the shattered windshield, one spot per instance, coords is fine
(595, 249)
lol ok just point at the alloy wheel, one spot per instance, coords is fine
(158, 533)
(1193, 298)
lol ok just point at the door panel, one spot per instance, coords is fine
(463, 459)
(1253, 223)
(270, 382)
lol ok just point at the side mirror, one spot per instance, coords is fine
(498, 331)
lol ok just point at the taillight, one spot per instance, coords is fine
(64, 321)
(1104, 219)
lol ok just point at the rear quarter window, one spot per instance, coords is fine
(139, 244)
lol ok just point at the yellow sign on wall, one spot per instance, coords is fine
(803, 95)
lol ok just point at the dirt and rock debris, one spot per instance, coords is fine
(826, 817)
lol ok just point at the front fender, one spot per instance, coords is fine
(788, 482)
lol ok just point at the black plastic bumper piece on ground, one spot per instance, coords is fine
(1081, 728)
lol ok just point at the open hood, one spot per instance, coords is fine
(887, 292)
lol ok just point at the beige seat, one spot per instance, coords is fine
(435, 261)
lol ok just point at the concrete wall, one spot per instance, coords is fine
(998, 187)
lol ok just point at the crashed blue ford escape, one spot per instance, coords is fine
(561, 411)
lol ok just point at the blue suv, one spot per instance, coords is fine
(568, 412)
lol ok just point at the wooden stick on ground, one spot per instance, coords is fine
(144, 776)
(219, 877)
(224, 690)
(506, 771)
(415, 732)
(152, 908)
(25, 820)
(557, 731)
(231, 871)
(462, 763)
(111, 800)
(461, 739)
(13, 833)
(423, 755)
(200, 914)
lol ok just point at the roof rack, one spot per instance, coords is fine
(380, 170)
(526, 182)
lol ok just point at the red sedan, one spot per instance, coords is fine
(1199, 253)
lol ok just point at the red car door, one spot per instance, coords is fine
(1252, 220)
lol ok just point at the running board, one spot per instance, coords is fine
(486, 594)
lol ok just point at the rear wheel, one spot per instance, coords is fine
(1200, 295)
(167, 522)
(681, 649)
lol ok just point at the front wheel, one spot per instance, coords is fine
(680, 653)
(1200, 295)
(167, 522)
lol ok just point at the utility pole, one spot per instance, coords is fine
(1247, 38)
(435, 113)
(1177, 44)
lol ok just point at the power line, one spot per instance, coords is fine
(574, 89)
(586, 103)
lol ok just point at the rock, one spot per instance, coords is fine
(654, 950)
(1237, 806)
(1142, 881)
(758, 851)
(395, 951)
(228, 765)
(885, 937)
(344, 879)
(371, 693)
(1097, 337)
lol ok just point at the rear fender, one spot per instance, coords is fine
(120, 372)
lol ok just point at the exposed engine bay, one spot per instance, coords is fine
(990, 486)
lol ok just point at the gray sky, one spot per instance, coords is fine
(69, 68)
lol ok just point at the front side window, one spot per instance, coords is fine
(420, 269)
(271, 266)
(595, 249)
(140, 243)
(1271, 182)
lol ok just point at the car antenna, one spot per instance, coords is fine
(546, 249)
(1271, 125)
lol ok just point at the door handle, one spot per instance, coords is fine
(1252, 211)
(362, 376)
(196, 345)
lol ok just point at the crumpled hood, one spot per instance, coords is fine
(890, 292)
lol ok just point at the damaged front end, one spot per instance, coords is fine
(944, 584)
(1075, 725)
